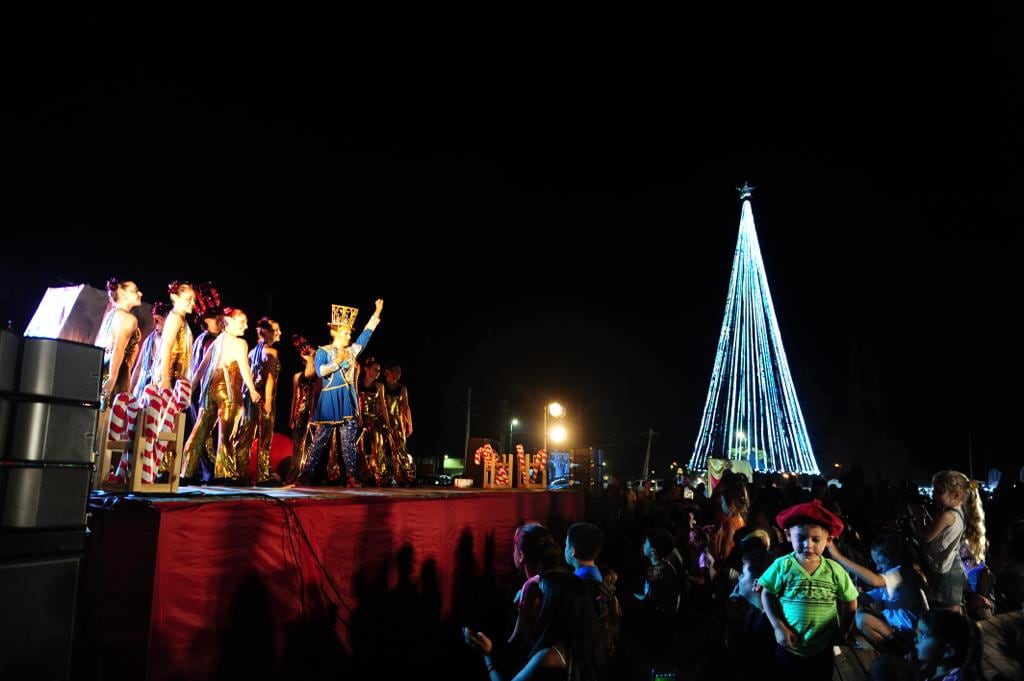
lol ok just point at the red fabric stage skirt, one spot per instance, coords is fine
(178, 587)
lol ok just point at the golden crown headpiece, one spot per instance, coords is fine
(343, 316)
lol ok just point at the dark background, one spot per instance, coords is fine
(549, 211)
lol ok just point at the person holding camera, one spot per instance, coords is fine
(568, 646)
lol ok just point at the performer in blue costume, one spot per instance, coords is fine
(332, 456)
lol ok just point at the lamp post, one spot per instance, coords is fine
(557, 412)
(513, 423)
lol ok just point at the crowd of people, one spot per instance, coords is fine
(771, 580)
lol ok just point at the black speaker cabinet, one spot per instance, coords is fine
(585, 468)
(6, 418)
(62, 369)
(40, 431)
(8, 359)
(22, 544)
(43, 497)
(37, 617)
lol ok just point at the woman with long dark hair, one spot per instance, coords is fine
(568, 645)
(534, 552)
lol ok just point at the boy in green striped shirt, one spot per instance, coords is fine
(809, 599)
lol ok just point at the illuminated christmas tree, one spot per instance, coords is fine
(752, 412)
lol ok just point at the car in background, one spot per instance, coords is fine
(434, 481)
(656, 485)
(563, 483)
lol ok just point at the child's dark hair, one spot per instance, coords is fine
(661, 541)
(890, 546)
(586, 539)
(959, 633)
(894, 548)
(160, 308)
(757, 562)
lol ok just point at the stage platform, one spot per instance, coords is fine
(219, 582)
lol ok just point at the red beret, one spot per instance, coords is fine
(811, 513)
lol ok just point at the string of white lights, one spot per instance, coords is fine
(752, 412)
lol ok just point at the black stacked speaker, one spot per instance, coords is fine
(586, 470)
(49, 401)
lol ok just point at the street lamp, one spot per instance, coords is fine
(512, 424)
(557, 412)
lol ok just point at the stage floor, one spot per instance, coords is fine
(195, 584)
(293, 493)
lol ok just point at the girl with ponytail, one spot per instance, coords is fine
(960, 519)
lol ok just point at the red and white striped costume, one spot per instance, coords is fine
(160, 409)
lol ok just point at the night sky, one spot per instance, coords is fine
(554, 216)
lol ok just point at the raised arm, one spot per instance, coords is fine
(867, 576)
(927, 532)
(371, 324)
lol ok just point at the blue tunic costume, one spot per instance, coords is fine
(332, 456)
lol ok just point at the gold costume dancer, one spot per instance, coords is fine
(176, 341)
(258, 422)
(373, 411)
(221, 402)
(305, 389)
(399, 415)
(175, 350)
(119, 336)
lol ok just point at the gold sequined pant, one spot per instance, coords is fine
(259, 428)
(225, 415)
(373, 465)
(402, 467)
(301, 439)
